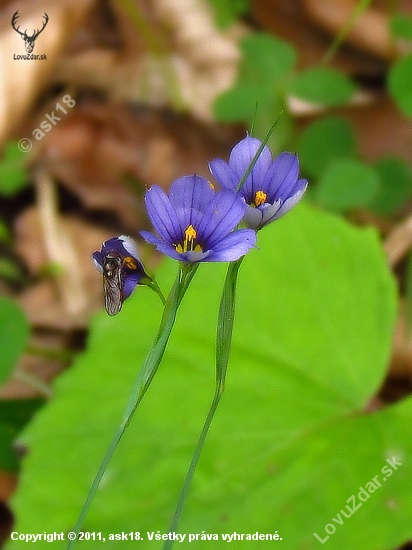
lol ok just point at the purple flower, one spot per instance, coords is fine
(121, 267)
(271, 189)
(195, 224)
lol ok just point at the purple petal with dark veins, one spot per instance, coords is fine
(160, 245)
(162, 215)
(190, 196)
(282, 177)
(224, 174)
(233, 246)
(223, 214)
(240, 159)
(290, 202)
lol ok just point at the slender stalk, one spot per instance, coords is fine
(223, 344)
(34, 382)
(143, 380)
(357, 11)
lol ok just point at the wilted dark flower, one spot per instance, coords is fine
(271, 189)
(195, 224)
(121, 267)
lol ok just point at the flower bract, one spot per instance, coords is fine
(195, 224)
(271, 189)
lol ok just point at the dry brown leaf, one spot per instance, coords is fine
(370, 31)
(399, 241)
(97, 144)
(22, 80)
(42, 302)
(8, 484)
(290, 21)
(193, 65)
(401, 364)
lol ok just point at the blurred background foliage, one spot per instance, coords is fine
(319, 383)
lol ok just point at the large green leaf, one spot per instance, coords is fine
(291, 441)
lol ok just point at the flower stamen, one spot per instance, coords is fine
(189, 243)
(260, 198)
(130, 262)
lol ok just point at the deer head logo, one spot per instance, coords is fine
(28, 40)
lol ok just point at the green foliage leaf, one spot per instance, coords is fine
(227, 11)
(323, 85)
(239, 103)
(399, 84)
(14, 415)
(14, 335)
(347, 183)
(11, 271)
(267, 59)
(396, 185)
(290, 443)
(401, 26)
(13, 175)
(324, 141)
(4, 232)
(257, 104)
(265, 68)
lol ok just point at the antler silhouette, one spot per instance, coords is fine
(13, 23)
(28, 40)
(36, 34)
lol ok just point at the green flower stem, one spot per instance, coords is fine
(151, 283)
(223, 344)
(143, 380)
(357, 11)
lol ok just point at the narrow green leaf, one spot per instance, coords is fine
(358, 9)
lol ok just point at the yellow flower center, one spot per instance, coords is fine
(260, 198)
(130, 262)
(189, 243)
